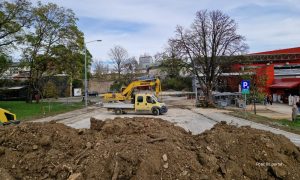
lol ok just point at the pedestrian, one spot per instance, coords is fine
(270, 99)
(298, 106)
(265, 100)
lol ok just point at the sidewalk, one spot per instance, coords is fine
(281, 108)
(275, 111)
(218, 116)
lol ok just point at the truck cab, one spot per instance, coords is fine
(142, 103)
(149, 103)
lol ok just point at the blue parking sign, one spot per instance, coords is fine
(245, 86)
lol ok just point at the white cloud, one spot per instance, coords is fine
(264, 28)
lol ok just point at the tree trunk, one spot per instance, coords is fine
(208, 94)
(71, 86)
(29, 93)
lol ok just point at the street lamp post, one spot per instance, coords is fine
(85, 72)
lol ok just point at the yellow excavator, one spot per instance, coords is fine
(126, 93)
(7, 117)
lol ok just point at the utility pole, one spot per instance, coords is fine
(85, 72)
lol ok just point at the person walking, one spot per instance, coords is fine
(298, 106)
(265, 100)
(270, 99)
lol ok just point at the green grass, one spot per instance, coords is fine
(284, 124)
(295, 124)
(29, 111)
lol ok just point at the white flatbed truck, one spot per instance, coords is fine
(146, 103)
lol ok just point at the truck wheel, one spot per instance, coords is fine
(118, 111)
(163, 110)
(155, 112)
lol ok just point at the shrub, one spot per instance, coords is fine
(50, 90)
(178, 84)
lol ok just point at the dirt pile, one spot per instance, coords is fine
(144, 148)
(249, 153)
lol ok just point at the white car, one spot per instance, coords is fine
(295, 113)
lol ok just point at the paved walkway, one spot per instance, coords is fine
(196, 120)
(218, 116)
(275, 111)
(281, 108)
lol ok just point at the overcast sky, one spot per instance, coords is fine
(144, 26)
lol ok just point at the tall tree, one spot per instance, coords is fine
(4, 63)
(119, 55)
(130, 67)
(14, 17)
(208, 45)
(52, 27)
(170, 62)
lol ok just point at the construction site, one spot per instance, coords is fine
(114, 139)
(143, 132)
(149, 90)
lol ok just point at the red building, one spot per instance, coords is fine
(275, 72)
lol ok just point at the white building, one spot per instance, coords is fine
(16, 72)
(145, 62)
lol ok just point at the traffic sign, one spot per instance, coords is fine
(245, 86)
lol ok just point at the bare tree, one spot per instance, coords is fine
(208, 46)
(100, 69)
(118, 55)
(171, 62)
(130, 67)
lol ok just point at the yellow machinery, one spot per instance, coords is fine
(143, 103)
(127, 92)
(7, 117)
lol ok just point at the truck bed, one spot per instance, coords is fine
(118, 105)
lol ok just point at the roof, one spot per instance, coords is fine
(287, 72)
(227, 94)
(285, 85)
(13, 88)
(295, 50)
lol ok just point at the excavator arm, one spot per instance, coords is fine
(127, 92)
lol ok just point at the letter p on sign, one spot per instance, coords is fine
(245, 85)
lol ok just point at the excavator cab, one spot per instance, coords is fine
(7, 117)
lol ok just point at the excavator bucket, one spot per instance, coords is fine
(7, 117)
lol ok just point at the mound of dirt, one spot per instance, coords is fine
(233, 153)
(144, 148)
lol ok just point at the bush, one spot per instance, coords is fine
(178, 84)
(77, 83)
(116, 86)
(50, 90)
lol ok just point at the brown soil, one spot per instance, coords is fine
(144, 148)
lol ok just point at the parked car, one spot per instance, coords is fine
(93, 93)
